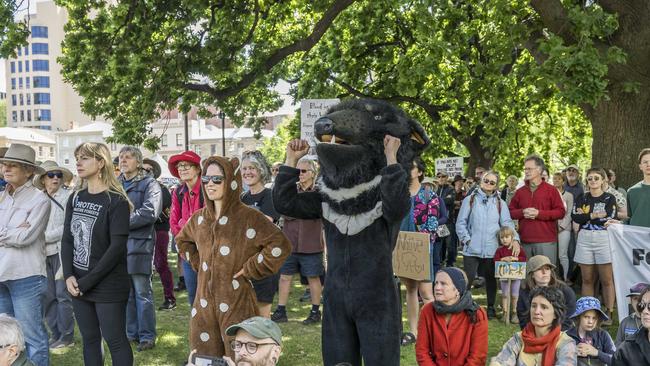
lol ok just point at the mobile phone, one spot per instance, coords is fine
(202, 360)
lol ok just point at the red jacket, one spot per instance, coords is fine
(459, 343)
(546, 199)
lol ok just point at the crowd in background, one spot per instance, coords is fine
(85, 249)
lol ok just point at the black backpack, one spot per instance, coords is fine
(179, 196)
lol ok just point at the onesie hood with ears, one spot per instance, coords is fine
(232, 184)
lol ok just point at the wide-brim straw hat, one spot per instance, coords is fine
(22, 154)
(3, 151)
(51, 166)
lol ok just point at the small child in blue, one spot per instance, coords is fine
(595, 346)
(504, 254)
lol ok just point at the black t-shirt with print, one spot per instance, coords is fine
(93, 247)
(262, 201)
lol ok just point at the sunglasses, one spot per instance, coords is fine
(642, 306)
(216, 179)
(147, 170)
(55, 174)
(593, 179)
(490, 182)
(304, 171)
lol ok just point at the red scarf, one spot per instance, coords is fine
(545, 345)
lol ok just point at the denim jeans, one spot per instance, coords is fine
(190, 281)
(140, 312)
(23, 299)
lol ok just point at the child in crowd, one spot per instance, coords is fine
(595, 346)
(632, 322)
(504, 254)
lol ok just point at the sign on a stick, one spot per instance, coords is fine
(411, 257)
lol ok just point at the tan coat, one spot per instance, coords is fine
(218, 248)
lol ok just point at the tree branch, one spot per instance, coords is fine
(555, 18)
(303, 44)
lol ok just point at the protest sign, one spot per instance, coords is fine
(510, 270)
(452, 166)
(630, 247)
(310, 111)
(411, 257)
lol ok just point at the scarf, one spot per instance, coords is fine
(545, 345)
(466, 303)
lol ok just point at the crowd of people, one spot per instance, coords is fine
(83, 248)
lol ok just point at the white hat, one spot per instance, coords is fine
(51, 166)
(23, 154)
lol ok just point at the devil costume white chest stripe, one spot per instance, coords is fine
(352, 225)
(343, 194)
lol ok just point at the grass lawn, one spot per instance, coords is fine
(302, 344)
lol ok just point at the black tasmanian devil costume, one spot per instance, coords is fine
(362, 202)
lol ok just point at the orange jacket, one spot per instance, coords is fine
(456, 344)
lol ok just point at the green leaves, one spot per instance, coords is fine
(12, 34)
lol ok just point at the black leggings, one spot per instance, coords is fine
(485, 268)
(107, 319)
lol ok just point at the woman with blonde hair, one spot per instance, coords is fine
(93, 253)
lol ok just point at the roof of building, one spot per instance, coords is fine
(105, 128)
(29, 135)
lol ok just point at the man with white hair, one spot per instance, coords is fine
(12, 343)
(24, 211)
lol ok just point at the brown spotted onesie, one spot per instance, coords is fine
(218, 248)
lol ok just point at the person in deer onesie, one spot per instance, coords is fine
(228, 244)
(365, 150)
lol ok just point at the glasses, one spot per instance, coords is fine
(304, 171)
(55, 174)
(593, 179)
(147, 170)
(251, 347)
(490, 182)
(275, 169)
(216, 179)
(183, 166)
(642, 306)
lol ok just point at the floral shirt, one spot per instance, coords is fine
(427, 213)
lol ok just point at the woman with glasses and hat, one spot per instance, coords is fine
(635, 350)
(595, 345)
(58, 305)
(229, 244)
(540, 273)
(453, 329)
(481, 216)
(541, 342)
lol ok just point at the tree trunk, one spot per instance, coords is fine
(478, 154)
(621, 129)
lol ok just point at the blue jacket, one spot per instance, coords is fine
(479, 233)
(601, 340)
(145, 195)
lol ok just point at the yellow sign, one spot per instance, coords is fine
(510, 270)
(411, 257)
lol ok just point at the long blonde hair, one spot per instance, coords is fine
(100, 152)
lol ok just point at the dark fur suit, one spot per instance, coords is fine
(362, 202)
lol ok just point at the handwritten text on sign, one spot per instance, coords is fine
(510, 270)
(411, 256)
(310, 111)
(452, 166)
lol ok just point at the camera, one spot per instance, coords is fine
(201, 360)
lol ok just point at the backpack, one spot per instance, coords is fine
(179, 196)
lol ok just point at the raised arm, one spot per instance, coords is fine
(394, 185)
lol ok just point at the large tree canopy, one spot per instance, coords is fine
(494, 79)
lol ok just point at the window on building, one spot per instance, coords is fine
(40, 151)
(29, 115)
(27, 81)
(41, 81)
(12, 66)
(163, 140)
(14, 116)
(39, 31)
(20, 51)
(179, 139)
(40, 65)
(43, 115)
(26, 50)
(197, 149)
(22, 101)
(20, 66)
(20, 83)
(13, 100)
(29, 99)
(26, 66)
(66, 161)
(13, 83)
(22, 116)
(40, 49)
(41, 98)
(65, 142)
(51, 151)
(45, 128)
(240, 145)
(213, 149)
